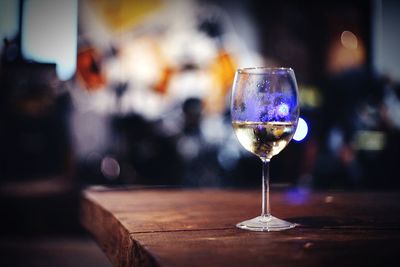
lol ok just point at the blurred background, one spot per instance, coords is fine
(97, 92)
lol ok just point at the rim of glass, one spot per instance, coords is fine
(263, 70)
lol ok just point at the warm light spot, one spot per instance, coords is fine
(349, 40)
(345, 53)
(328, 199)
(308, 245)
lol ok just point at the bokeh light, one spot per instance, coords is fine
(49, 34)
(301, 131)
(110, 167)
(349, 40)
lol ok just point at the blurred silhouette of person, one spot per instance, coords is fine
(201, 166)
(352, 100)
(147, 156)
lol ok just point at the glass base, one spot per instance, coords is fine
(265, 224)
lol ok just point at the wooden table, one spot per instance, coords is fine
(181, 227)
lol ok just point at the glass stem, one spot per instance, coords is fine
(265, 209)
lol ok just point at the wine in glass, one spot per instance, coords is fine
(264, 112)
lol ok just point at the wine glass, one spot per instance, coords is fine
(264, 113)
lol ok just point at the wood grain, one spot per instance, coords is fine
(176, 227)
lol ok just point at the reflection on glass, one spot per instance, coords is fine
(264, 113)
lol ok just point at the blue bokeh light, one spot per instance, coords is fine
(301, 131)
(283, 110)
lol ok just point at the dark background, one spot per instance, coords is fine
(352, 142)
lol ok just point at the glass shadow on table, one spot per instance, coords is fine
(332, 222)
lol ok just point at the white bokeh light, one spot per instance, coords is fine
(301, 131)
(49, 34)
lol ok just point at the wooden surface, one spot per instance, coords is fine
(173, 227)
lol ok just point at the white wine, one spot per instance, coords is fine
(265, 139)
